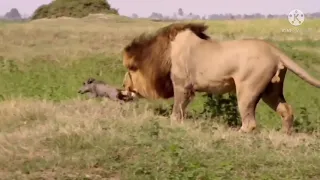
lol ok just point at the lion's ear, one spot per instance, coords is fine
(173, 34)
(90, 80)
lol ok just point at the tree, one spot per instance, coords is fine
(73, 8)
(155, 15)
(180, 12)
(134, 15)
(270, 16)
(13, 14)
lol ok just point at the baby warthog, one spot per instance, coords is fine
(97, 88)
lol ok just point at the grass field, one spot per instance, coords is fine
(48, 131)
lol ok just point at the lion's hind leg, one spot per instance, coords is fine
(249, 92)
(247, 102)
(274, 98)
(279, 104)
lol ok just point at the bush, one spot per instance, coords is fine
(13, 14)
(73, 8)
(225, 107)
(222, 108)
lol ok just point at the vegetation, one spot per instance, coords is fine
(73, 8)
(180, 14)
(13, 14)
(48, 131)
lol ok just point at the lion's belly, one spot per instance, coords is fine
(215, 79)
(214, 86)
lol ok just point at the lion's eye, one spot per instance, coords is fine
(132, 68)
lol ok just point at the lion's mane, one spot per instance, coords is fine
(150, 55)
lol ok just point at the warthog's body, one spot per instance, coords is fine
(97, 88)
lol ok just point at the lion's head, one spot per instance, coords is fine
(148, 61)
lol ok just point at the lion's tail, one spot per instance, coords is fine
(299, 71)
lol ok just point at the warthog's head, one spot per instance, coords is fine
(87, 86)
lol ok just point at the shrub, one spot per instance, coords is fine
(222, 108)
(225, 107)
(13, 14)
(73, 8)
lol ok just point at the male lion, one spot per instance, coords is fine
(180, 60)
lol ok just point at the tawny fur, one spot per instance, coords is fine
(180, 60)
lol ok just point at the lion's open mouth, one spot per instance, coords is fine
(135, 94)
(131, 93)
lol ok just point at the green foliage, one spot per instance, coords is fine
(303, 122)
(51, 80)
(73, 8)
(305, 57)
(60, 81)
(222, 107)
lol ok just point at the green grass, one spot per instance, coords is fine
(48, 131)
(58, 81)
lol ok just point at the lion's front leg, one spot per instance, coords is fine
(182, 97)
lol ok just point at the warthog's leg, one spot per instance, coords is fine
(92, 95)
(273, 97)
(182, 97)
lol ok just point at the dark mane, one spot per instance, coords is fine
(144, 42)
(150, 54)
